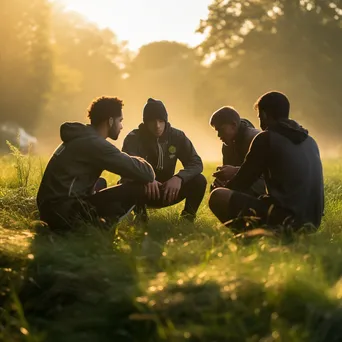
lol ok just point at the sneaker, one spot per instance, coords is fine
(189, 217)
(141, 215)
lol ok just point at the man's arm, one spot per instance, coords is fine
(110, 158)
(226, 155)
(189, 158)
(254, 165)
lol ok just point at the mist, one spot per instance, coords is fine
(55, 62)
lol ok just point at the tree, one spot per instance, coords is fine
(87, 64)
(165, 70)
(294, 46)
(25, 66)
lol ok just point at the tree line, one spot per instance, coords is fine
(53, 62)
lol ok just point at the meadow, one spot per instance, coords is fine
(167, 281)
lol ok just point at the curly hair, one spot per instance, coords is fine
(104, 107)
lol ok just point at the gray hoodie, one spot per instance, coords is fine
(78, 162)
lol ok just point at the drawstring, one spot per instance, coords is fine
(160, 164)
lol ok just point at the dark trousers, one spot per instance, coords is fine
(107, 203)
(245, 211)
(192, 191)
(256, 190)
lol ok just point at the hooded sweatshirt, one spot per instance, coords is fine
(77, 163)
(234, 154)
(290, 161)
(164, 151)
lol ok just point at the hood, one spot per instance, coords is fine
(291, 130)
(244, 123)
(73, 130)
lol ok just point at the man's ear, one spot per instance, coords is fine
(111, 122)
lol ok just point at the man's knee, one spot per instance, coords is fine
(219, 200)
(199, 182)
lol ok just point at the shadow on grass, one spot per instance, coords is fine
(247, 311)
(79, 288)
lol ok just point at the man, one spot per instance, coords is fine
(236, 135)
(162, 145)
(289, 160)
(66, 192)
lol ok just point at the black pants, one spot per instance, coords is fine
(245, 211)
(108, 204)
(256, 190)
(192, 191)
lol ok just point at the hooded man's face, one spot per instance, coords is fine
(115, 127)
(156, 127)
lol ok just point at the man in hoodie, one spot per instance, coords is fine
(289, 160)
(66, 192)
(162, 145)
(236, 135)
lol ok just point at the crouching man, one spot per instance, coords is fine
(289, 159)
(236, 135)
(66, 193)
(162, 145)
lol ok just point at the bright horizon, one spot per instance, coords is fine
(141, 22)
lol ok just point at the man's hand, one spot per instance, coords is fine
(226, 172)
(171, 189)
(219, 184)
(152, 190)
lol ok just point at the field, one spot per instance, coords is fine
(169, 281)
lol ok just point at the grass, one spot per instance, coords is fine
(169, 281)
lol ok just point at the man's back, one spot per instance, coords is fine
(295, 176)
(77, 164)
(290, 161)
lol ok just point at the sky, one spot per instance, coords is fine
(142, 21)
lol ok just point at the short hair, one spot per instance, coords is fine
(104, 107)
(275, 104)
(225, 115)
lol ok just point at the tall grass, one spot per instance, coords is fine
(168, 281)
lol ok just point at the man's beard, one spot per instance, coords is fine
(113, 134)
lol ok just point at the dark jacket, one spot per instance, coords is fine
(162, 153)
(234, 154)
(290, 161)
(79, 161)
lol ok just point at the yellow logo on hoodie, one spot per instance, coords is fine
(172, 149)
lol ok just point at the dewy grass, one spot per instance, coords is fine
(167, 281)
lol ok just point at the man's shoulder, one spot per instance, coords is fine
(176, 133)
(134, 134)
(252, 131)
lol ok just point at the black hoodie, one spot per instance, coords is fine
(234, 154)
(78, 162)
(163, 152)
(290, 161)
